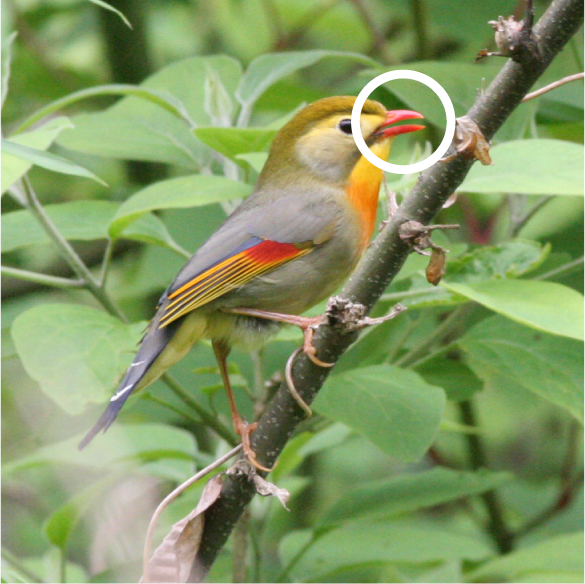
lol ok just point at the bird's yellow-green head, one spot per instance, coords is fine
(318, 141)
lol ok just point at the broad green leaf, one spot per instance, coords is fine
(501, 351)
(394, 408)
(506, 260)
(458, 380)
(47, 160)
(139, 130)
(411, 492)
(363, 543)
(14, 168)
(255, 159)
(77, 354)
(122, 446)
(546, 306)
(185, 191)
(77, 220)
(112, 9)
(150, 229)
(530, 167)
(160, 98)
(6, 64)
(266, 70)
(556, 559)
(236, 141)
(81, 221)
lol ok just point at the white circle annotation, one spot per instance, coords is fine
(414, 76)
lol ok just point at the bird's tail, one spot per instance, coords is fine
(140, 373)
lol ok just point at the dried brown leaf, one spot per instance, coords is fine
(171, 561)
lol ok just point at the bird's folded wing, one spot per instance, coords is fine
(250, 260)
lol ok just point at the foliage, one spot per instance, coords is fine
(446, 445)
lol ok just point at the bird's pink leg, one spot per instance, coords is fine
(242, 428)
(307, 324)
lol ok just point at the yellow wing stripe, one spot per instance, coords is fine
(227, 275)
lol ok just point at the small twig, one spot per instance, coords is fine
(206, 417)
(451, 323)
(68, 253)
(420, 29)
(161, 402)
(517, 226)
(106, 263)
(371, 25)
(10, 558)
(569, 481)
(44, 279)
(552, 86)
(171, 497)
(497, 527)
(561, 269)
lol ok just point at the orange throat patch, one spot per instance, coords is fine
(363, 189)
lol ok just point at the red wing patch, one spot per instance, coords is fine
(228, 274)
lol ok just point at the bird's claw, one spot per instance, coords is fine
(245, 431)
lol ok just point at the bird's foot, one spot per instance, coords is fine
(244, 430)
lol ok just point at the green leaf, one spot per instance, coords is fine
(255, 159)
(506, 260)
(112, 9)
(77, 220)
(394, 408)
(546, 306)
(47, 160)
(81, 221)
(411, 492)
(14, 168)
(266, 70)
(363, 543)
(160, 98)
(60, 525)
(501, 351)
(556, 559)
(77, 354)
(150, 229)
(176, 193)
(136, 129)
(530, 167)
(123, 446)
(458, 381)
(236, 141)
(6, 64)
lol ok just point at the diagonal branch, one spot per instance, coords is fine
(385, 258)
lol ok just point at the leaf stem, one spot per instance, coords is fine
(451, 323)
(44, 279)
(552, 86)
(561, 269)
(519, 223)
(205, 416)
(68, 252)
(496, 527)
(10, 558)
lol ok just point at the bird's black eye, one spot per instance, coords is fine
(345, 126)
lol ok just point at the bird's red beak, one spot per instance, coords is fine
(398, 116)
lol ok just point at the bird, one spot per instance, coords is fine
(286, 247)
